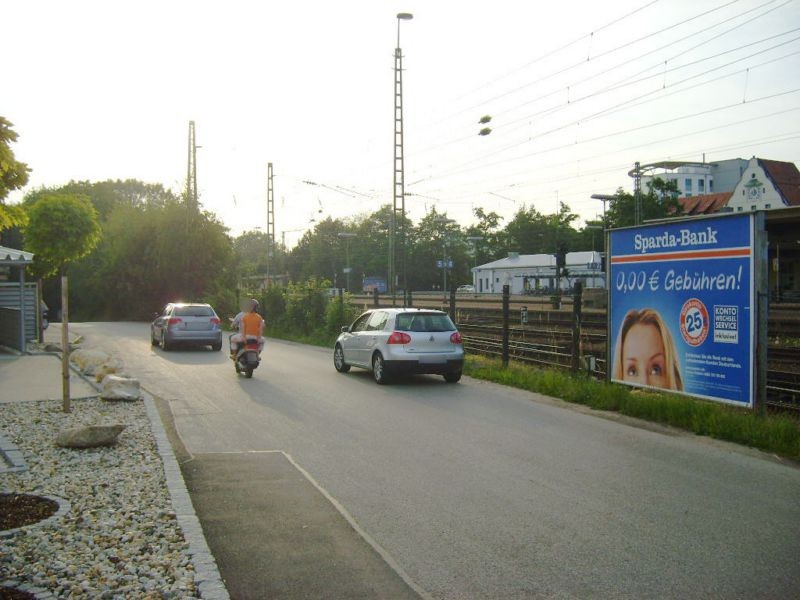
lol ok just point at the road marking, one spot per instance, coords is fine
(393, 564)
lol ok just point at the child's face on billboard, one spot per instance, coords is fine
(643, 356)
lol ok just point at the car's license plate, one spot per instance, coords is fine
(433, 360)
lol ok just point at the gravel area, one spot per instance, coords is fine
(120, 538)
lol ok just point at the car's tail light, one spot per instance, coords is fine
(214, 321)
(173, 321)
(455, 338)
(398, 337)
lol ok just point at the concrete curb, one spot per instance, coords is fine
(12, 455)
(208, 578)
(63, 508)
(38, 593)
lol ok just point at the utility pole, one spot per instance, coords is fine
(270, 220)
(399, 196)
(191, 171)
(637, 193)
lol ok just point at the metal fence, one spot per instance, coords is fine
(571, 337)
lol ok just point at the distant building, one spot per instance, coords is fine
(536, 273)
(766, 184)
(697, 178)
(763, 185)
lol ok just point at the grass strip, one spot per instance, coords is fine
(316, 338)
(775, 433)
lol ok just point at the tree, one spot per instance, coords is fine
(660, 201)
(490, 246)
(13, 176)
(61, 229)
(531, 232)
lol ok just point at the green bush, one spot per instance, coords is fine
(306, 303)
(338, 313)
(774, 433)
(273, 305)
(223, 301)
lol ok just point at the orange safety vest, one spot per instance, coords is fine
(251, 325)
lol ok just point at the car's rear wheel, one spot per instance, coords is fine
(338, 360)
(216, 347)
(453, 377)
(153, 340)
(165, 344)
(379, 369)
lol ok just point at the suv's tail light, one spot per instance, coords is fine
(455, 338)
(214, 321)
(398, 337)
(174, 321)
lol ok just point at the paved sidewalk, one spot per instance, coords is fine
(30, 378)
(275, 535)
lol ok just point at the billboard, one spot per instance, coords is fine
(681, 307)
(369, 284)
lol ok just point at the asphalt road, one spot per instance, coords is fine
(480, 491)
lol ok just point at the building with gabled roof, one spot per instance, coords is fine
(532, 273)
(766, 184)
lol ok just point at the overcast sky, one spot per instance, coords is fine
(101, 90)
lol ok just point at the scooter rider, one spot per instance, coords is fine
(251, 325)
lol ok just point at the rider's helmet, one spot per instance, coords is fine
(253, 305)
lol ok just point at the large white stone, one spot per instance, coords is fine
(89, 436)
(110, 367)
(115, 387)
(89, 360)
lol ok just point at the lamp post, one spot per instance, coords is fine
(399, 200)
(604, 198)
(474, 239)
(347, 237)
(444, 221)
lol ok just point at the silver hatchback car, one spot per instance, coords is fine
(183, 323)
(394, 341)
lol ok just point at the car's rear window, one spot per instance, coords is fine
(193, 311)
(427, 322)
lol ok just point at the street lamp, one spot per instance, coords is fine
(474, 239)
(399, 201)
(604, 198)
(444, 221)
(347, 237)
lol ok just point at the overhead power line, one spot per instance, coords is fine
(629, 79)
(626, 104)
(609, 135)
(600, 55)
(629, 82)
(550, 53)
(650, 93)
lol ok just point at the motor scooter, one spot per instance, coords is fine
(246, 358)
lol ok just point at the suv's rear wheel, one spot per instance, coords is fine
(338, 360)
(216, 347)
(453, 377)
(379, 369)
